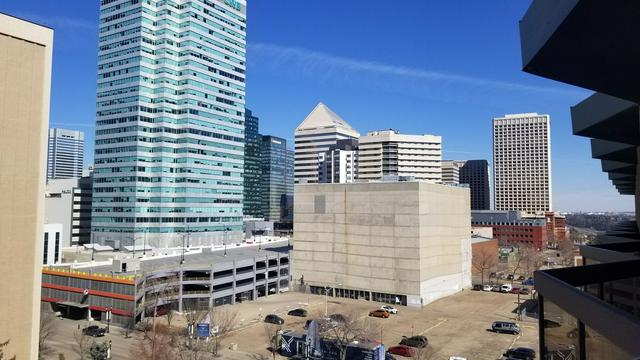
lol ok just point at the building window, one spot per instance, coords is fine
(57, 248)
(45, 253)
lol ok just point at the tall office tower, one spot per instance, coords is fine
(277, 177)
(320, 130)
(340, 163)
(522, 162)
(25, 78)
(170, 122)
(475, 173)
(387, 154)
(252, 202)
(68, 202)
(65, 155)
(451, 171)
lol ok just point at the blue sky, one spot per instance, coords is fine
(437, 67)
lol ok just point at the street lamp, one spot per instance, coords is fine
(225, 242)
(144, 244)
(326, 299)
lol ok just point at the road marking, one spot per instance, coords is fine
(434, 326)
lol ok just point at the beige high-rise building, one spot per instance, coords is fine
(397, 242)
(387, 153)
(317, 133)
(25, 82)
(522, 162)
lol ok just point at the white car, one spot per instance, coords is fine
(389, 309)
(487, 287)
(456, 358)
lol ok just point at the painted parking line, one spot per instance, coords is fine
(434, 326)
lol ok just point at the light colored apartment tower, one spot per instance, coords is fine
(25, 83)
(399, 242)
(388, 154)
(340, 163)
(68, 202)
(320, 130)
(65, 155)
(522, 162)
(169, 148)
(451, 171)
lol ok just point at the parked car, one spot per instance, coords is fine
(505, 327)
(495, 288)
(477, 287)
(379, 313)
(389, 309)
(274, 319)
(487, 287)
(524, 291)
(510, 277)
(506, 288)
(520, 353)
(338, 318)
(457, 358)
(417, 341)
(298, 312)
(402, 350)
(515, 290)
(529, 282)
(521, 277)
(94, 330)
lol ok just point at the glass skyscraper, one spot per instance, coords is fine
(277, 179)
(170, 122)
(252, 171)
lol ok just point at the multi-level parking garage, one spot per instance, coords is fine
(190, 282)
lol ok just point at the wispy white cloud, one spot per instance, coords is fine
(60, 22)
(308, 60)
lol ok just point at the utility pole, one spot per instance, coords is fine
(93, 248)
(225, 242)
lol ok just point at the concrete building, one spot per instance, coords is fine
(522, 162)
(65, 154)
(25, 75)
(451, 171)
(476, 174)
(68, 202)
(52, 244)
(594, 307)
(252, 199)
(396, 242)
(340, 163)
(169, 148)
(387, 153)
(512, 228)
(133, 288)
(320, 130)
(276, 182)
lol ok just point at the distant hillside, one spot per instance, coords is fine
(599, 222)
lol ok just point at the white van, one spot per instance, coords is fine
(506, 288)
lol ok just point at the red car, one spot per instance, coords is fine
(402, 350)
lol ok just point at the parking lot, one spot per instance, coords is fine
(455, 326)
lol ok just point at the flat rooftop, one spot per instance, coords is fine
(204, 258)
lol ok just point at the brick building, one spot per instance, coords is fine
(511, 228)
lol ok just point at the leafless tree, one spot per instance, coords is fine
(566, 252)
(157, 290)
(224, 319)
(425, 353)
(47, 327)
(483, 260)
(82, 344)
(271, 332)
(352, 328)
(156, 344)
(2, 355)
(533, 259)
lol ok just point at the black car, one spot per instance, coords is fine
(338, 318)
(274, 319)
(94, 330)
(521, 353)
(417, 341)
(477, 287)
(298, 312)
